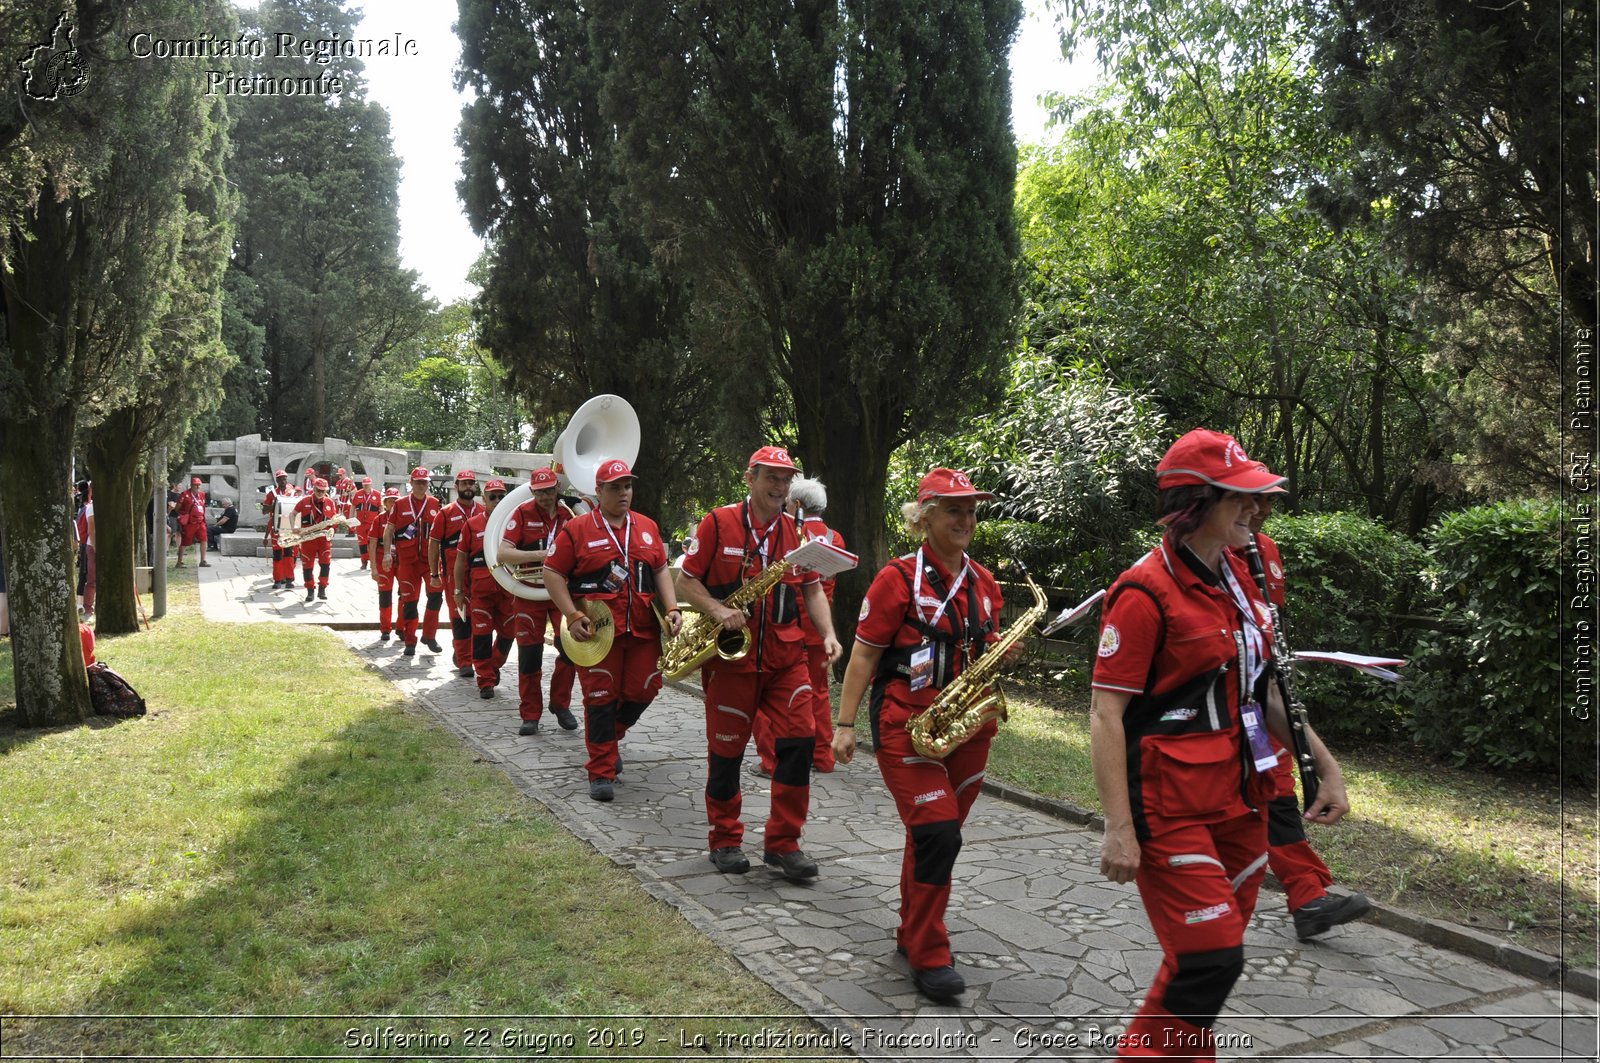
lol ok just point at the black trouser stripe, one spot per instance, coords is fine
(794, 760)
(722, 778)
(601, 722)
(1201, 986)
(935, 847)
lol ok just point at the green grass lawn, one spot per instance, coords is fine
(284, 835)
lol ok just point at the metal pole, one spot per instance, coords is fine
(158, 534)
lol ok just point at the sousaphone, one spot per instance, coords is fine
(605, 427)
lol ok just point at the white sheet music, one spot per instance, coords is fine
(1072, 614)
(822, 557)
(1373, 666)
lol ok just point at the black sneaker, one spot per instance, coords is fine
(384, 636)
(465, 671)
(322, 592)
(486, 693)
(939, 983)
(730, 861)
(1325, 913)
(433, 645)
(796, 866)
(410, 651)
(601, 789)
(529, 727)
(565, 718)
(310, 594)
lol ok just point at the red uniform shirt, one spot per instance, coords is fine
(192, 508)
(269, 506)
(479, 578)
(890, 621)
(726, 551)
(531, 528)
(1272, 561)
(447, 525)
(313, 510)
(1171, 638)
(585, 552)
(367, 505)
(411, 520)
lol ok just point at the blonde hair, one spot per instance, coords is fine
(914, 514)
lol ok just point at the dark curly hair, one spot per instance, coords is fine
(1183, 509)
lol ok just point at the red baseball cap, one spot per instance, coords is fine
(776, 457)
(391, 492)
(319, 484)
(949, 483)
(419, 473)
(494, 485)
(195, 481)
(279, 473)
(542, 479)
(466, 474)
(366, 479)
(1215, 458)
(612, 471)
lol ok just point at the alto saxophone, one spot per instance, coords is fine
(967, 704)
(701, 638)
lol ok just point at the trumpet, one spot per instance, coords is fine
(321, 530)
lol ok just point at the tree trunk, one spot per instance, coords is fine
(113, 464)
(41, 568)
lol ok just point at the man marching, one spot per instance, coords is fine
(443, 536)
(407, 534)
(366, 506)
(479, 597)
(314, 509)
(616, 556)
(282, 556)
(528, 537)
(382, 562)
(733, 544)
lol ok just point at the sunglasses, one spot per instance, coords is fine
(495, 494)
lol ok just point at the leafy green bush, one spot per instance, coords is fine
(1349, 581)
(1488, 689)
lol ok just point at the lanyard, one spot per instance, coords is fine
(627, 537)
(750, 533)
(1253, 641)
(916, 591)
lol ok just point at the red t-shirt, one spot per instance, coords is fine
(480, 579)
(446, 527)
(887, 613)
(727, 550)
(312, 510)
(367, 505)
(192, 508)
(585, 551)
(411, 520)
(531, 528)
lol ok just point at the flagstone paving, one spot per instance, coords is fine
(1054, 956)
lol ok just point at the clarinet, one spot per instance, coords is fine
(1283, 674)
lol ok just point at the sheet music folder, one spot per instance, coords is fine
(822, 557)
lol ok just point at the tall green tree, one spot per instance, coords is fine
(319, 234)
(837, 178)
(573, 301)
(176, 377)
(86, 258)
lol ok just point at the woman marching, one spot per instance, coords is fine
(1182, 758)
(926, 616)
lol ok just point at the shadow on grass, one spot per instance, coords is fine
(382, 873)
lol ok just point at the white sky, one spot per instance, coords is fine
(435, 239)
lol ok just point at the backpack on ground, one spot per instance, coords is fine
(111, 694)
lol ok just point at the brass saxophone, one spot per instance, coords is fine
(701, 638)
(963, 707)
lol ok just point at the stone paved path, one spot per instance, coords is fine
(1054, 956)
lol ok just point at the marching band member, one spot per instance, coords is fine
(381, 560)
(366, 505)
(734, 543)
(1180, 743)
(808, 500)
(192, 521)
(925, 618)
(488, 605)
(617, 556)
(407, 535)
(282, 556)
(344, 487)
(1305, 878)
(529, 535)
(314, 509)
(443, 536)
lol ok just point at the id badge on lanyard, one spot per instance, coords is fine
(1262, 755)
(921, 667)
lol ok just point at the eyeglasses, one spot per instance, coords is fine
(495, 494)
